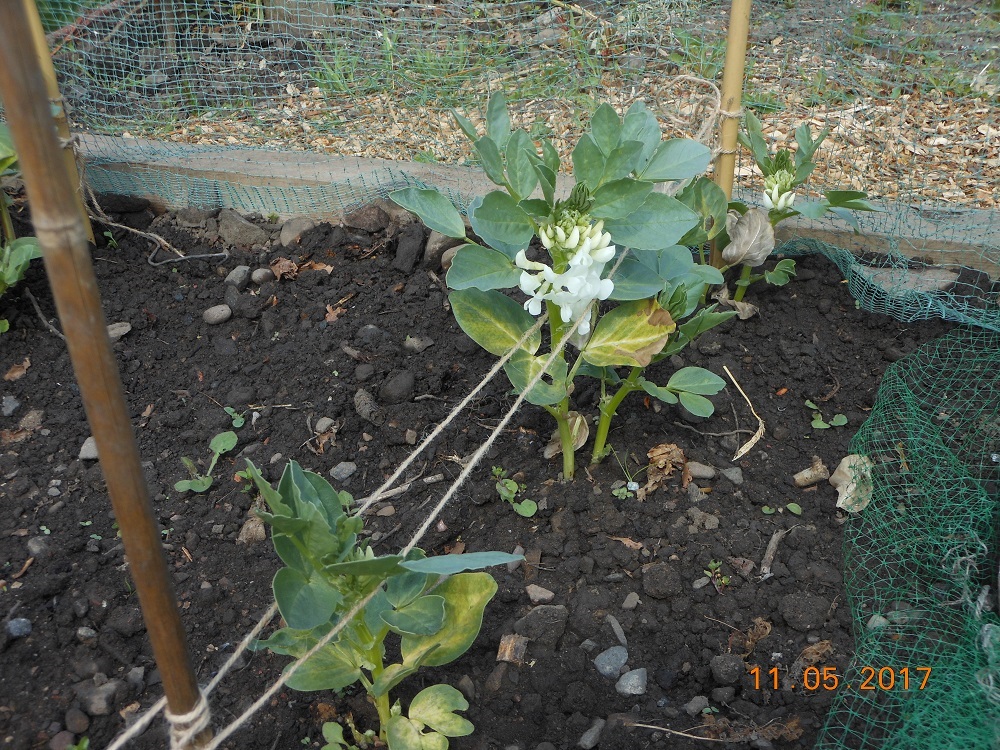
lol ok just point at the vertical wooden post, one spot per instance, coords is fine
(59, 110)
(732, 98)
(59, 228)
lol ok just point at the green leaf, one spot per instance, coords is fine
(697, 405)
(708, 200)
(847, 216)
(304, 601)
(705, 320)
(794, 508)
(818, 423)
(783, 270)
(641, 125)
(811, 405)
(403, 589)
(812, 209)
(658, 223)
(493, 320)
(677, 159)
(696, 380)
(606, 128)
(855, 200)
(522, 367)
(839, 420)
(521, 160)
(669, 263)
(659, 392)
(619, 198)
(588, 162)
(754, 140)
(547, 180)
(807, 146)
(767, 510)
(490, 160)
(383, 567)
(333, 734)
(466, 125)
(536, 207)
(501, 223)
(478, 267)
(199, 484)
(622, 162)
(498, 119)
(526, 508)
(550, 157)
(630, 334)
(446, 565)
(223, 442)
(633, 281)
(436, 705)
(466, 596)
(327, 669)
(402, 734)
(434, 210)
(425, 616)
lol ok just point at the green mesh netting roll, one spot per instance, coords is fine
(921, 559)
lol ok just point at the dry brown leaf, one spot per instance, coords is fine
(512, 648)
(742, 565)
(630, 543)
(580, 430)
(9, 437)
(743, 310)
(16, 372)
(147, 411)
(284, 267)
(664, 460)
(315, 265)
(332, 313)
(758, 631)
(810, 656)
(455, 549)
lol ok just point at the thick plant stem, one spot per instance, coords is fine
(741, 289)
(561, 415)
(608, 412)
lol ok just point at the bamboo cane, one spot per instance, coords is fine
(60, 232)
(58, 110)
(732, 97)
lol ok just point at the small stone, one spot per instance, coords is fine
(696, 705)
(98, 700)
(700, 471)
(409, 247)
(262, 276)
(723, 694)
(512, 566)
(371, 218)
(364, 372)
(609, 662)
(734, 475)
(9, 405)
(467, 688)
(544, 624)
(539, 595)
(398, 388)
(235, 230)
(252, 531)
(239, 277)
(631, 601)
(410, 436)
(436, 246)
(323, 424)
(38, 546)
(19, 627)
(62, 740)
(76, 721)
(616, 628)
(217, 315)
(589, 739)
(416, 344)
(589, 645)
(701, 583)
(388, 510)
(343, 470)
(117, 330)
(293, 229)
(448, 257)
(88, 451)
(136, 677)
(86, 636)
(632, 682)
(877, 621)
(727, 668)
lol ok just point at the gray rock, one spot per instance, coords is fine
(609, 662)
(545, 746)
(323, 424)
(409, 247)
(38, 546)
(193, 218)
(727, 668)
(117, 330)
(436, 245)
(761, 744)
(467, 688)
(371, 218)
(76, 721)
(293, 229)
(701, 583)
(235, 230)
(239, 277)
(588, 645)
(723, 694)
(544, 624)
(262, 276)
(86, 636)
(19, 627)
(631, 601)
(98, 700)
(398, 388)
(616, 628)
(136, 678)
(417, 344)
(512, 566)
(734, 475)
(632, 682)
(804, 611)
(700, 471)
(343, 470)
(696, 705)
(364, 372)
(61, 740)
(217, 314)
(539, 595)
(660, 581)
(88, 451)
(9, 405)
(589, 739)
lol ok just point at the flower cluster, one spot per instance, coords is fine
(581, 249)
(778, 190)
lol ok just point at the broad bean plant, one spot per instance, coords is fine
(15, 252)
(614, 259)
(433, 605)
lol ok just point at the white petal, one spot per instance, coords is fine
(574, 238)
(768, 203)
(604, 254)
(560, 235)
(545, 238)
(605, 288)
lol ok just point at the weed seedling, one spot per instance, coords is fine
(714, 572)
(221, 443)
(112, 242)
(818, 423)
(631, 486)
(508, 490)
(236, 416)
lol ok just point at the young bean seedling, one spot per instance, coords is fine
(221, 443)
(818, 423)
(508, 490)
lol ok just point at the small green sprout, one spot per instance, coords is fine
(818, 423)
(236, 416)
(508, 490)
(112, 242)
(221, 443)
(714, 572)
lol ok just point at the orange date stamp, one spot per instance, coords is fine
(815, 678)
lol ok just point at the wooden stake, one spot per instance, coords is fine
(58, 111)
(60, 231)
(732, 98)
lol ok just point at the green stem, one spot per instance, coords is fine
(6, 224)
(561, 415)
(742, 289)
(608, 409)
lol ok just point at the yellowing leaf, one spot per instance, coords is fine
(631, 334)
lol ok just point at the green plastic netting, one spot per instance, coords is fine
(921, 559)
(313, 107)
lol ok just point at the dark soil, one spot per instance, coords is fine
(279, 360)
